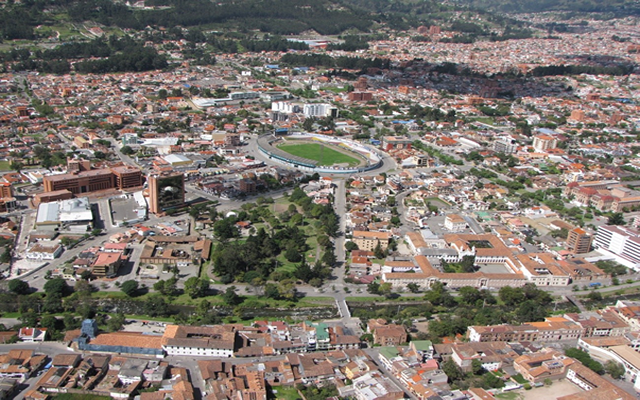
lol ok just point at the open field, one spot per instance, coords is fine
(323, 154)
(557, 389)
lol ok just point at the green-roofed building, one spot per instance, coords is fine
(320, 340)
(423, 348)
(387, 355)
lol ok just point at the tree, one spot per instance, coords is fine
(52, 303)
(373, 288)
(49, 322)
(225, 229)
(196, 287)
(616, 219)
(83, 288)
(67, 241)
(16, 166)
(350, 246)
(585, 359)
(385, 289)
(413, 287)
(115, 323)
(287, 290)
(96, 232)
(129, 288)
(29, 318)
(5, 257)
(378, 252)
(168, 287)
(476, 367)
(367, 337)
(469, 295)
(594, 296)
(615, 369)
(156, 306)
(57, 286)
(19, 286)
(511, 296)
(304, 272)
(293, 255)
(127, 150)
(451, 369)
(530, 311)
(230, 297)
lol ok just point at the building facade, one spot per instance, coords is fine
(166, 191)
(620, 242)
(78, 182)
(579, 241)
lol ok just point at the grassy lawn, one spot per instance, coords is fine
(518, 378)
(286, 393)
(147, 318)
(485, 120)
(435, 201)
(364, 299)
(111, 295)
(5, 165)
(11, 315)
(325, 155)
(509, 396)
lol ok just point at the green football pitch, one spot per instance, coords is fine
(321, 153)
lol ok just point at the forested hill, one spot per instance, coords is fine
(617, 8)
(18, 20)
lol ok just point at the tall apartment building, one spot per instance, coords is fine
(247, 186)
(620, 242)
(505, 145)
(319, 110)
(79, 181)
(579, 241)
(7, 201)
(544, 142)
(5, 190)
(166, 191)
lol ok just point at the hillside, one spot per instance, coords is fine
(617, 8)
(280, 17)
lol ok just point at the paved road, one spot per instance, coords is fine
(375, 355)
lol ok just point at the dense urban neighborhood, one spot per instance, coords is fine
(335, 200)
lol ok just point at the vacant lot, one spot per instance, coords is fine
(557, 389)
(323, 154)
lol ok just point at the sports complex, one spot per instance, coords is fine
(319, 153)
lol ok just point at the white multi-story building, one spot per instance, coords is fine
(621, 243)
(455, 223)
(319, 110)
(285, 107)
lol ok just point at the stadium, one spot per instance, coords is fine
(319, 153)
